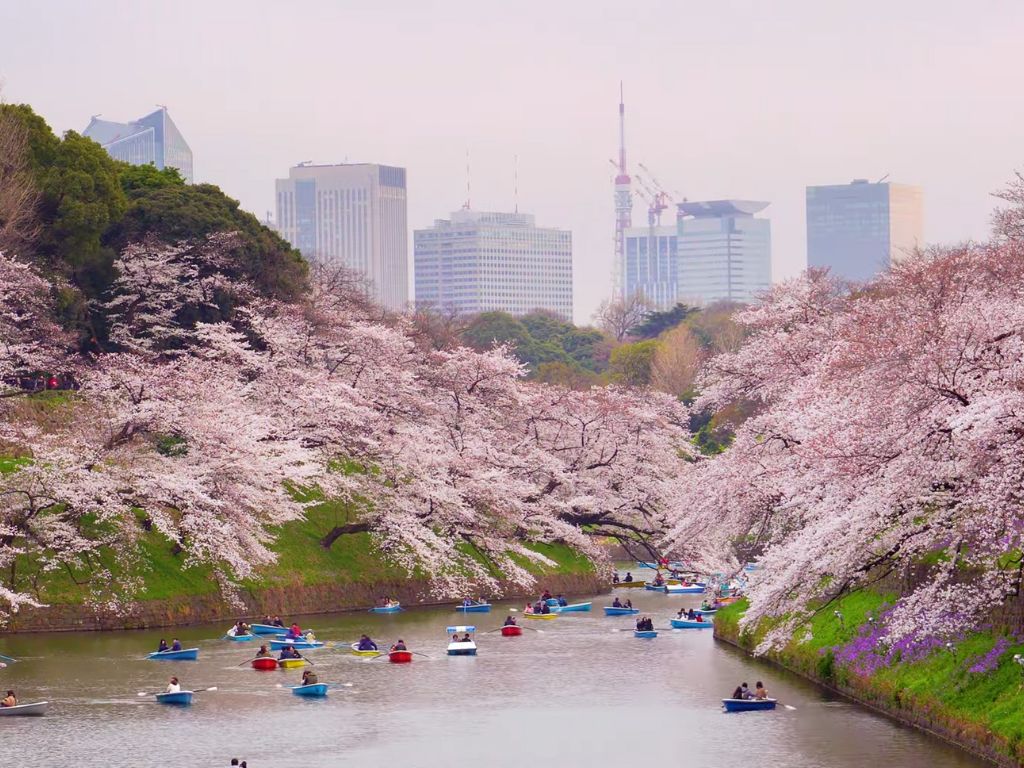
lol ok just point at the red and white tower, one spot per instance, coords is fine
(623, 204)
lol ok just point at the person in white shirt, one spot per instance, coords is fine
(173, 686)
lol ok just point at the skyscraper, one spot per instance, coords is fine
(351, 215)
(651, 264)
(479, 262)
(151, 139)
(856, 230)
(725, 253)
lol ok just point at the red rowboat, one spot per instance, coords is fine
(400, 657)
(264, 662)
(511, 630)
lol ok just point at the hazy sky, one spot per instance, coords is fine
(723, 99)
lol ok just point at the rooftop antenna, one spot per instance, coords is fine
(882, 179)
(466, 206)
(515, 181)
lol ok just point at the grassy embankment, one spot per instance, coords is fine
(972, 692)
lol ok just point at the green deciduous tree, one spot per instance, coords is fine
(630, 364)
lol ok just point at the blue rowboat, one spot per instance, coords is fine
(180, 698)
(316, 689)
(185, 654)
(687, 624)
(474, 608)
(642, 564)
(552, 602)
(305, 645)
(239, 638)
(747, 705)
(575, 608)
(708, 612)
(461, 647)
(387, 608)
(613, 611)
(266, 629)
(645, 634)
(654, 587)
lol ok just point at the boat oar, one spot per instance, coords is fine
(7, 658)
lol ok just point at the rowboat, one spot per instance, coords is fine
(277, 645)
(687, 624)
(387, 608)
(706, 611)
(316, 689)
(654, 587)
(180, 697)
(357, 652)
(511, 630)
(747, 705)
(230, 635)
(264, 662)
(461, 647)
(291, 663)
(610, 610)
(400, 657)
(185, 654)
(629, 584)
(642, 564)
(266, 629)
(574, 608)
(680, 589)
(552, 602)
(28, 710)
(646, 634)
(545, 616)
(474, 608)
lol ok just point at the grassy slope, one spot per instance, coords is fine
(983, 701)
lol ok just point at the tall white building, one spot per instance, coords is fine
(856, 230)
(725, 252)
(481, 262)
(650, 265)
(353, 215)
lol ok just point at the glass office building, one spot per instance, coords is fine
(859, 229)
(480, 262)
(353, 215)
(725, 252)
(153, 139)
(650, 265)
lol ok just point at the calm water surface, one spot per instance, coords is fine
(577, 694)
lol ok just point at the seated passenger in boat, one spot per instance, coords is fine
(175, 645)
(466, 602)
(241, 628)
(562, 601)
(399, 646)
(745, 692)
(544, 608)
(455, 637)
(738, 693)
(466, 638)
(294, 630)
(629, 604)
(539, 606)
(173, 686)
(289, 652)
(366, 644)
(510, 621)
(10, 700)
(546, 595)
(615, 578)
(277, 622)
(629, 577)
(309, 677)
(760, 692)
(163, 646)
(616, 603)
(659, 580)
(263, 652)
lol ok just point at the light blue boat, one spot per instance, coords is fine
(303, 645)
(552, 602)
(574, 608)
(266, 629)
(708, 612)
(181, 698)
(239, 638)
(316, 689)
(185, 654)
(610, 610)
(747, 705)
(642, 564)
(655, 587)
(687, 624)
(645, 634)
(474, 608)
(387, 608)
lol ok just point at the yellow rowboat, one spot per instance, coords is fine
(629, 584)
(357, 652)
(546, 616)
(291, 663)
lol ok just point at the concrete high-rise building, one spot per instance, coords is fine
(650, 264)
(725, 253)
(480, 262)
(859, 229)
(351, 215)
(153, 139)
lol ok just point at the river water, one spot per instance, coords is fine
(579, 693)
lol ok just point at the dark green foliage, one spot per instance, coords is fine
(142, 178)
(656, 323)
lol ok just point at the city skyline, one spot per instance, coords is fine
(712, 108)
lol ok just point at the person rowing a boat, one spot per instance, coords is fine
(289, 652)
(263, 652)
(399, 646)
(659, 580)
(562, 601)
(616, 603)
(277, 622)
(175, 645)
(629, 578)
(615, 578)
(546, 595)
(10, 700)
(241, 628)
(163, 646)
(294, 630)
(738, 693)
(173, 686)
(628, 604)
(760, 692)
(366, 644)
(510, 621)
(309, 677)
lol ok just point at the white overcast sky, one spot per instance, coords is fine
(724, 99)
